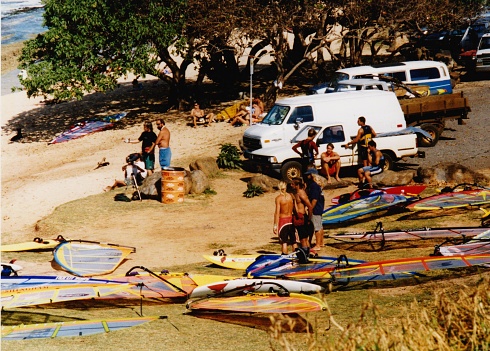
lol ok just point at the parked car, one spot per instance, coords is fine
(361, 84)
(412, 73)
(483, 54)
(445, 40)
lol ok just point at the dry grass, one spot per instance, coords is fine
(457, 319)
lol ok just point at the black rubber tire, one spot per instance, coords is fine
(434, 133)
(290, 170)
(389, 162)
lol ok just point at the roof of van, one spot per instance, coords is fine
(383, 67)
(345, 95)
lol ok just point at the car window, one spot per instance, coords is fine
(301, 114)
(334, 134)
(276, 115)
(424, 73)
(401, 76)
(303, 133)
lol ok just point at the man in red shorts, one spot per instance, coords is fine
(330, 163)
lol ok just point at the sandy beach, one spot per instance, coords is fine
(37, 177)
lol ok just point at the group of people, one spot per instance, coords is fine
(300, 205)
(330, 160)
(372, 159)
(139, 165)
(298, 214)
(243, 115)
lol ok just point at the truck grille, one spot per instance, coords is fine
(251, 144)
(486, 61)
(260, 158)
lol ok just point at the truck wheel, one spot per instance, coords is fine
(389, 162)
(434, 133)
(290, 170)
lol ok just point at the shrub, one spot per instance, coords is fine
(253, 190)
(229, 157)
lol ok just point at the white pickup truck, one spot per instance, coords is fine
(281, 158)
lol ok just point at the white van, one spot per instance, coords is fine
(433, 74)
(380, 108)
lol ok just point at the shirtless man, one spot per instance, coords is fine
(330, 163)
(199, 116)
(302, 203)
(283, 219)
(163, 143)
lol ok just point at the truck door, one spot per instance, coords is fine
(335, 135)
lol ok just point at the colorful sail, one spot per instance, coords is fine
(32, 282)
(88, 127)
(385, 269)
(260, 303)
(360, 207)
(46, 295)
(89, 259)
(293, 270)
(76, 328)
(410, 234)
(452, 200)
(410, 190)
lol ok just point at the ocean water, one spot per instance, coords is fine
(21, 20)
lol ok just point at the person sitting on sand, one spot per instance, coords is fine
(133, 169)
(243, 116)
(330, 163)
(199, 117)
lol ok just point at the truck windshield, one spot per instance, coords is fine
(276, 115)
(484, 43)
(336, 77)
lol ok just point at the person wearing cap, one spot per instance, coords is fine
(317, 200)
(309, 149)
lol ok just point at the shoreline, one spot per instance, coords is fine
(10, 56)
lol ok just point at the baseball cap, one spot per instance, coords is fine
(311, 171)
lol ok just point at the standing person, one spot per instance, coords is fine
(163, 143)
(364, 135)
(148, 139)
(330, 163)
(283, 219)
(309, 149)
(376, 164)
(317, 200)
(199, 116)
(303, 208)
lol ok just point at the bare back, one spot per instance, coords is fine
(284, 205)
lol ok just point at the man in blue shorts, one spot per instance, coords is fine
(163, 143)
(376, 164)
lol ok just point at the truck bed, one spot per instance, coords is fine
(435, 108)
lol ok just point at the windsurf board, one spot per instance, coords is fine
(35, 244)
(238, 286)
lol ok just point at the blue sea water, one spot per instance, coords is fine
(21, 20)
